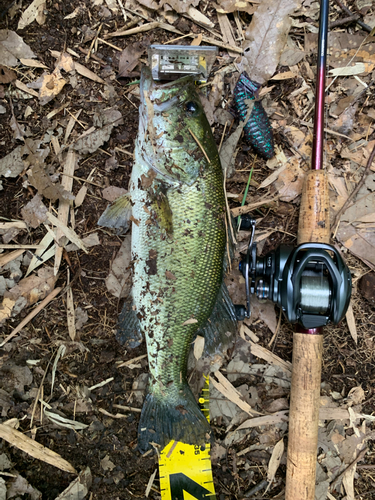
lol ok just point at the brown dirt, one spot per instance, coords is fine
(345, 365)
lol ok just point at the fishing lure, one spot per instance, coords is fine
(258, 130)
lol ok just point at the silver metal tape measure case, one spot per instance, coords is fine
(169, 62)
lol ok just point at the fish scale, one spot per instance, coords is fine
(185, 297)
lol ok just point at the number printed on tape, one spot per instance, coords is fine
(185, 469)
(185, 472)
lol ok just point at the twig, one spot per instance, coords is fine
(109, 44)
(122, 9)
(200, 145)
(10, 246)
(327, 130)
(222, 137)
(345, 20)
(30, 316)
(355, 191)
(339, 478)
(93, 56)
(276, 331)
(8, 257)
(259, 487)
(345, 9)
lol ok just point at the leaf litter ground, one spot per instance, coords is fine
(65, 380)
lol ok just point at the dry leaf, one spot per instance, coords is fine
(118, 281)
(12, 48)
(32, 13)
(66, 231)
(57, 419)
(222, 407)
(190, 321)
(360, 241)
(90, 142)
(111, 193)
(267, 35)
(7, 75)
(34, 449)
(87, 73)
(227, 153)
(177, 5)
(79, 488)
(71, 321)
(355, 69)
(39, 178)
(81, 317)
(34, 212)
(27, 292)
(92, 240)
(265, 420)
(240, 364)
(107, 464)
(226, 388)
(266, 312)
(129, 58)
(198, 347)
(290, 180)
(284, 76)
(290, 57)
(228, 6)
(49, 86)
(364, 206)
(19, 487)
(112, 4)
(31, 63)
(356, 395)
(271, 358)
(19, 132)
(274, 462)
(348, 482)
(75, 13)
(351, 323)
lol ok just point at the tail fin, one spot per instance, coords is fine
(174, 416)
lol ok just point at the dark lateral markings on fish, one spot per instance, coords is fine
(179, 483)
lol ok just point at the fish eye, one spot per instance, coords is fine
(191, 107)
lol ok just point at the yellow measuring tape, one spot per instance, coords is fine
(185, 469)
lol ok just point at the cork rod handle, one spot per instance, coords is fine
(307, 356)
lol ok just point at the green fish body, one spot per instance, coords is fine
(178, 247)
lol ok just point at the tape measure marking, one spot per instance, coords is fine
(185, 469)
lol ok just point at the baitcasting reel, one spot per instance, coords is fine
(311, 283)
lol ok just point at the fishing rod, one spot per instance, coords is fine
(312, 285)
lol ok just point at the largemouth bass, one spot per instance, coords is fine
(177, 207)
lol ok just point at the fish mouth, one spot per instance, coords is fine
(159, 97)
(163, 95)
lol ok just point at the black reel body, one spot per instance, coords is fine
(311, 283)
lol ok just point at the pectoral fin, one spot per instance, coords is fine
(162, 212)
(117, 215)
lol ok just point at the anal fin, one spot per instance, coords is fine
(222, 324)
(129, 331)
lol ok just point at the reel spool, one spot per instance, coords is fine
(311, 283)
